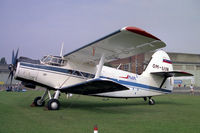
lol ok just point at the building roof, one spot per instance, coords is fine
(4, 68)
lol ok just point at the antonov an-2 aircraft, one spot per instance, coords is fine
(83, 72)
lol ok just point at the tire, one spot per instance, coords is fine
(151, 102)
(37, 102)
(53, 104)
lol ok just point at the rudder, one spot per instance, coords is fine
(159, 63)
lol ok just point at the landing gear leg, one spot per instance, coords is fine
(40, 101)
(53, 103)
(151, 101)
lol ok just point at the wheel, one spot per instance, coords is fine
(37, 102)
(151, 102)
(53, 104)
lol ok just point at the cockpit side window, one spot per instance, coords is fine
(53, 60)
(60, 61)
(43, 59)
(48, 59)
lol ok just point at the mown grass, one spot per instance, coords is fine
(171, 114)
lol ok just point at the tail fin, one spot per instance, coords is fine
(160, 71)
(160, 62)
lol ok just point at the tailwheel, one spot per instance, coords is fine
(151, 101)
(53, 104)
(38, 102)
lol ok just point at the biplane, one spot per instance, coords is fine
(83, 71)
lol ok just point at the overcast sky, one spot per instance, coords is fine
(38, 27)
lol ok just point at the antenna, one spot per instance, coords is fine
(61, 50)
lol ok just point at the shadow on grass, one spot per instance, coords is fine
(106, 107)
(117, 106)
(171, 103)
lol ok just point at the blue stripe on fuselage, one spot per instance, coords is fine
(134, 84)
(57, 69)
(45, 67)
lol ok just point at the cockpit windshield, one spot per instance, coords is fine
(53, 60)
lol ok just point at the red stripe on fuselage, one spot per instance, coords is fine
(125, 77)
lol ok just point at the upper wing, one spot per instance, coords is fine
(123, 43)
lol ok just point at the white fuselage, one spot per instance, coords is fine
(73, 73)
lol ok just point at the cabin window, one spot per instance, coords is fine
(126, 67)
(53, 60)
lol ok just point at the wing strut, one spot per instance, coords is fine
(165, 78)
(100, 66)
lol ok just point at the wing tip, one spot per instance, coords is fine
(139, 31)
(186, 73)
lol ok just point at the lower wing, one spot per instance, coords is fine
(94, 86)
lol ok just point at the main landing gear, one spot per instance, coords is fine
(53, 103)
(151, 101)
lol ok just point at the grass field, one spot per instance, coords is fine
(171, 114)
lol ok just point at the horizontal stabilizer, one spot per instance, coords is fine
(94, 86)
(172, 73)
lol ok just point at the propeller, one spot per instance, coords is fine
(13, 65)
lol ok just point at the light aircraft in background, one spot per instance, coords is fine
(83, 72)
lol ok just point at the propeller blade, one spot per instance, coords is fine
(11, 74)
(11, 79)
(15, 59)
(13, 56)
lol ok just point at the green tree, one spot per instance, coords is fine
(3, 60)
